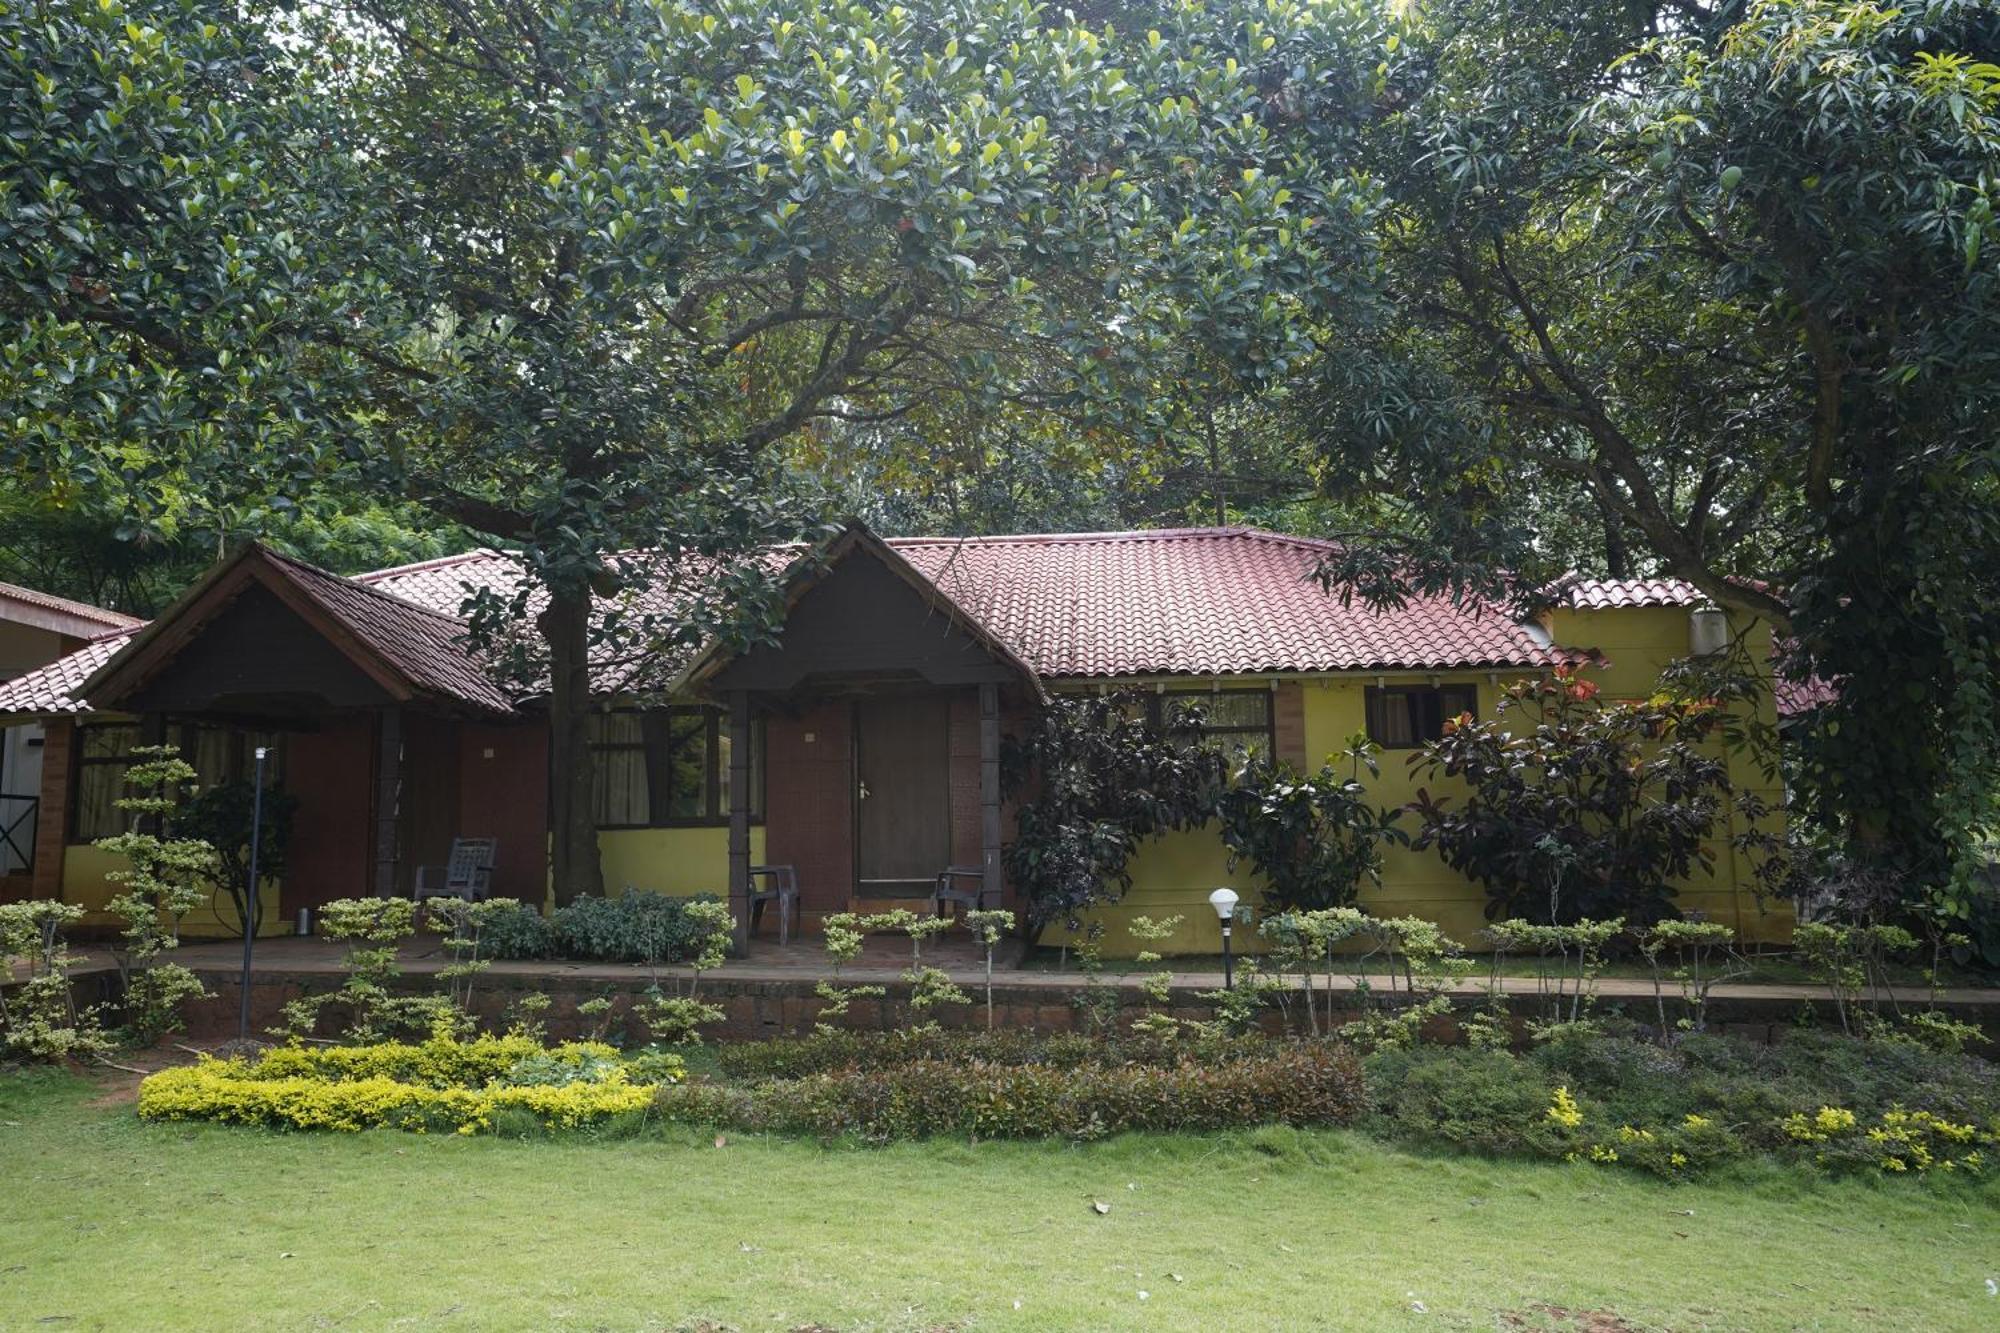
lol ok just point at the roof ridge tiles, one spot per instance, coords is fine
(357, 583)
(1126, 535)
(374, 576)
(69, 605)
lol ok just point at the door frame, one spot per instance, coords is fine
(854, 743)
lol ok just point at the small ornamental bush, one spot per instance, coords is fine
(1297, 1084)
(635, 927)
(437, 1085)
(160, 882)
(39, 1018)
(1898, 1141)
(1478, 1101)
(520, 933)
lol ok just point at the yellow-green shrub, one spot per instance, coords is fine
(441, 1084)
(440, 1061)
(1901, 1141)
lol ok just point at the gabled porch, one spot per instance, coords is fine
(373, 722)
(882, 706)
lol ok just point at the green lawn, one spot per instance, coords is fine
(110, 1223)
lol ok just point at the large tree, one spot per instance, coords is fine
(1718, 281)
(567, 272)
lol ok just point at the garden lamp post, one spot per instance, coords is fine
(250, 892)
(1224, 902)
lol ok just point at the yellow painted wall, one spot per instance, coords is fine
(84, 883)
(677, 861)
(1175, 874)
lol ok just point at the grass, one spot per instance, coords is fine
(111, 1223)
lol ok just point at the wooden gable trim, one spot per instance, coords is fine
(812, 568)
(153, 647)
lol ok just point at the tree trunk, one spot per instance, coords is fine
(1617, 555)
(573, 861)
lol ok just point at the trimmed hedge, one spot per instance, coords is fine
(438, 1062)
(223, 1091)
(828, 1052)
(1299, 1084)
(521, 933)
(438, 1084)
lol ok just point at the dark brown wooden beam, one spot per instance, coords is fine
(739, 819)
(989, 794)
(388, 798)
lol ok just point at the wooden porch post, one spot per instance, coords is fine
(739, 818)
(989, 794)
(388, 797)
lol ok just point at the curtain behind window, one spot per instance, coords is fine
(103, 751)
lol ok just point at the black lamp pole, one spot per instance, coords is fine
(250, 895)
(1228, 962)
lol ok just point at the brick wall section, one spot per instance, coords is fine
(1288, 714)
(809, 804)
(52, 820)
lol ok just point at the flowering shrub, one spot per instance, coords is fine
(437, 1085)
(1578, 807)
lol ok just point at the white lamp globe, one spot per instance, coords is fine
(1224, 902)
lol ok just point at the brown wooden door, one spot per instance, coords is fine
(902, 794)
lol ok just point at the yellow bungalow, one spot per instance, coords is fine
(860, 751)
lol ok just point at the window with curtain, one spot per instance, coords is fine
(103, 752)
(1403, 717)
(1237, 721)
(667, 767)
(218, 754)
(226, 754)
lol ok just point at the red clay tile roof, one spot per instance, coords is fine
(1199, 601)
(1581, 594)
(65, 608)
(426, 646)
(440, 584)
(1195, 601)
(51, 690)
